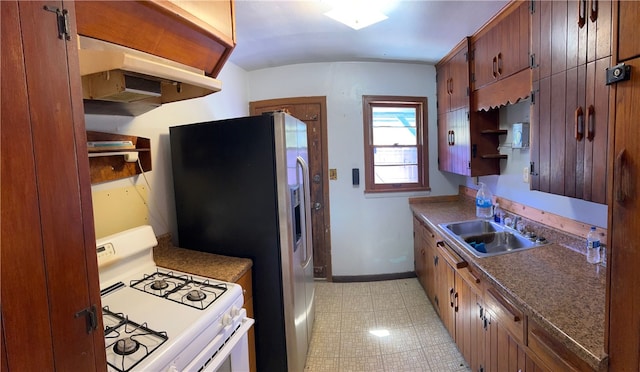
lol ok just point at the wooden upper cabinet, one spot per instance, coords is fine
(453, 79)
(568, 34)
(200, 34)
(501, 48)
(571, 45)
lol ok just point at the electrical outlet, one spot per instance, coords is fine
(525, 175)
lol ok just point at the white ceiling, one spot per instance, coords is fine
(272, 33)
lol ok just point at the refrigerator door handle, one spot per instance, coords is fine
(306, 192)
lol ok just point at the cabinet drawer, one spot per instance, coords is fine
(429, 235)
(470, 275)
(506, 313)
(554, 355)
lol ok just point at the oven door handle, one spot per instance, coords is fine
(224, 350)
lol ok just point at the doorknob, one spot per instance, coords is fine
(317, 178)
(317, 206)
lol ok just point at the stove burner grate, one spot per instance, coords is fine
(128, 343)
(180, 288)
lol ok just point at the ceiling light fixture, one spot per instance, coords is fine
(356, 14)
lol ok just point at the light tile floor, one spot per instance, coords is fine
(386, 326)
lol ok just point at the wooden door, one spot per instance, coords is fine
(464, 306)
(430, 241)
(628, 42)
(485, 63)
(312, 111)
(513, 34)
(459, 77)
(445, 157)
(49, 265)
(443, 85)
(624, 215)
(596, 131)
(446, 294)
(502, 353)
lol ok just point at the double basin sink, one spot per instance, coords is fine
(485, 238)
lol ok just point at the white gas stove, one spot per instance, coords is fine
(162, 320)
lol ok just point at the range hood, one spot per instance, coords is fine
(122, 81)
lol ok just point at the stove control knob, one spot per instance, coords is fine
(235, 311)
(226, 320)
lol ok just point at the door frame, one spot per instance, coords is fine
(254, 106)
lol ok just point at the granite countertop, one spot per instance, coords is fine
(552, 284)
(225, 268)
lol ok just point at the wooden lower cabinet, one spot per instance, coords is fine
(247, 293)
(491, 332)
(469, 323)
(424, 247)
(504, 334)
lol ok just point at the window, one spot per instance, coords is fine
(395, 143)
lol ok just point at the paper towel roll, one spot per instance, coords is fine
(131, 157)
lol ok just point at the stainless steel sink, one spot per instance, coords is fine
(486, 238)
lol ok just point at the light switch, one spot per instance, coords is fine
(333, 174)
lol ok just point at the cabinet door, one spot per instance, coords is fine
(485, 62)
(462, 141)
(513, 34)
(459, 77)
(445, 288)
(469, 327)
(624, 223)
(502, 351)
(599, 29)
(443, 88)
(596, 131)
(445, 158)
(430, 241)
(628, 41)
(47, 230)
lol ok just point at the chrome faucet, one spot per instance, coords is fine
(516, 220)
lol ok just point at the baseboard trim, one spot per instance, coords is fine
(372, 278)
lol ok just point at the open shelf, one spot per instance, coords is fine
(110, 163)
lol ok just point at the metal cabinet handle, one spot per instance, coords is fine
(620, 173)
(591, 130)
(579, 122)
(453, 138)
(582, 10)
(494, 67)
(499, 63)
(451, 297)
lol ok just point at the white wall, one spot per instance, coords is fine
(510, 183)
(230, 102)
(370, 234)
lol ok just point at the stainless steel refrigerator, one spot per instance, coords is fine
(242, 189)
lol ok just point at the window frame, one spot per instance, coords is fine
(422, 139)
